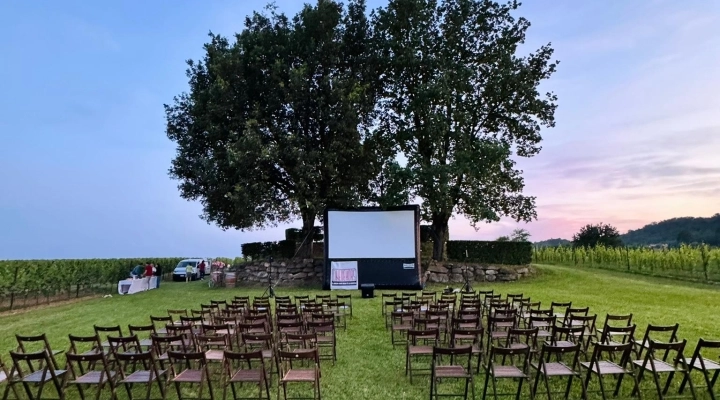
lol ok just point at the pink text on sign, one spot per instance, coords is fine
(344, 275)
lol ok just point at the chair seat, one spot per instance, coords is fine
(267, 353)
(143, 376)
(92, 377)
(606, 368)
(709, 364)
(189, 375)
(37, 376)
(325, 339)
(299, 375)
(555, 369)
(214, 355)
(401, 327)
(146, 342)
(660, 366)
(247, 375)
(508, 371)
(418, 350)
(451, 371)
(564, 343)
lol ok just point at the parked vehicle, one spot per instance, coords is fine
(180, 271)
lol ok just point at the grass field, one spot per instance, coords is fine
(368, 367)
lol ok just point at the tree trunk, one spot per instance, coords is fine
(308, 231)
(440, 234)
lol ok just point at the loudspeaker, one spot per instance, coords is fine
(368, 290)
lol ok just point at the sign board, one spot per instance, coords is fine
(344, 275)
(409, 266)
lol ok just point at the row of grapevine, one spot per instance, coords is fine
(60, 279)
(688, 262)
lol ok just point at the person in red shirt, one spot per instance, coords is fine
(201, 269)
(148, 273)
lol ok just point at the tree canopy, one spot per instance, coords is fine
(460, 104)
(274, 125)
(601, 234)
(298, 114)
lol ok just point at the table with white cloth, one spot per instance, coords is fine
(135, 285)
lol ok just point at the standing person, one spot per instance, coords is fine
(137, 271)
(201, 268)
(148, 274)
(188, 272)
(158, 274)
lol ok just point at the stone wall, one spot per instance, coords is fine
(310, 272)
(452, 272)
(289, 272)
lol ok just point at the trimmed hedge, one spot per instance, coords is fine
(281, 249)
(296, 235)
(509, 253)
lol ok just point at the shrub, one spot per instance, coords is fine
(425, 235)
(510, 253)
(281, 249)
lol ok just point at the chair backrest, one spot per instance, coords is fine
(124, 344)
(560, 307)
(618, 320)
(161, 344)
(136, 329)
(286, 358)
(526, 336)
(559, 352)
(461, 335)
(127, 363)
(92, 341)
(80, 364)
(573, 334)
(33, 343)
(426, 335)
(177, 312)
(677, 347)
(245, 360)
(35, 361)
(669, 333)
(322, 327)
(494, 321)
(508, 356)
(303, 340)
(619, 353)
(626, 332)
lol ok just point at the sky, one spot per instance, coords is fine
(83, 172)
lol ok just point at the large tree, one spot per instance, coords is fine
(461, 104)
(601, 234)
(275, 125)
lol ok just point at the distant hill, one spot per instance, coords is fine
(552, 243)
(675, 231)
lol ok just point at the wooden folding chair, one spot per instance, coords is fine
(513, 365)
(656, 366)
(602, 363)
(129, 376)
(90, 370)
(547, 369)
(420, 344)
(290, 374)
(240, 368)
(33, 343)
(5, 376)
(194, 372)
(458, 367)
(40, 370)
(710, 369)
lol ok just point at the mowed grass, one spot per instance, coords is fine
(368, 367)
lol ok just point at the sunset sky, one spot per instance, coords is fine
(84, 163)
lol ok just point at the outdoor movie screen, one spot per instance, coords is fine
(358, 234)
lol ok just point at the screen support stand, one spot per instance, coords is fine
(467, 287)
(270, 290)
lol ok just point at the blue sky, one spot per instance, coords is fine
(83, 171)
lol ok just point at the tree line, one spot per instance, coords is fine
(341, 106)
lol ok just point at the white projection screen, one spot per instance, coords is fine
(356, 234)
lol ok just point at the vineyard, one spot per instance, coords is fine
(686, 262)
(29, 282)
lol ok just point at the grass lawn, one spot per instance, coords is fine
(368, 367)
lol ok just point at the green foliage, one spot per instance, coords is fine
(594, 235)
(293, 234)
(509, 253)
(460, 104)
(687, 262)
(52, 276)
(275, 124)
(284, 249)
(552, 243)
(520, 235)
(676, 231)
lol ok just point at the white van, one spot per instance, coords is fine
(180, 271)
